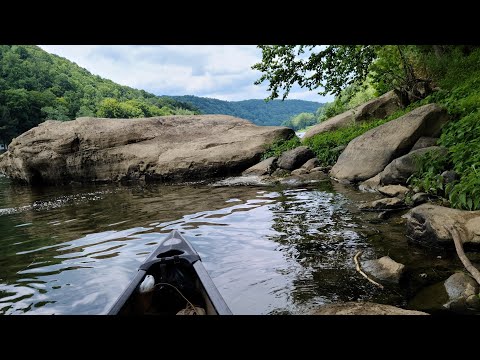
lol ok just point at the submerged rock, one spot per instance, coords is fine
(384, 269)
(368, 154)
(363, 308)
(459, 293)
(164, 149)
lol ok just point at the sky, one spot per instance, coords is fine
(216, 71)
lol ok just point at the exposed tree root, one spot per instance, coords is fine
(461, 254)
(359, 269)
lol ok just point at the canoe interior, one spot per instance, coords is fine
(175, 281)
(182, 285)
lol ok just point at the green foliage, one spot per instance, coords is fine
(458, 75)
(280, 146)
(271, 113)
(428, 175)
(328, 146)
(36, 85)
(300, 121)
(349, 98)
(331, 67)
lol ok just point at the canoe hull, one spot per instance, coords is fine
(181, 283)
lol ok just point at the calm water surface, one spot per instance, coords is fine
(269, 250)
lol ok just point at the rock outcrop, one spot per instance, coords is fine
(165, 149)
(363, 308)
(425, 225)
(368, 154)
(377, 108)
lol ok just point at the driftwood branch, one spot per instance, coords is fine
(461, 254)
(359, 269)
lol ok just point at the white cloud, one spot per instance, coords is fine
(219, 71)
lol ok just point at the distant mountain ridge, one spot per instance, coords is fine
(256, 110)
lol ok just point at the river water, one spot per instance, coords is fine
(269, 250)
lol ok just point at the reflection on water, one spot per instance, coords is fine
(72, 250)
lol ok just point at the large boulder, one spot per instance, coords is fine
(384, 269)
(400, 169)
(425, 225)
(363, 308)
(368, 154)
(165, 149)
(293, 159)
(377, 108)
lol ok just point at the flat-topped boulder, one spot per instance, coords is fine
(368, 154)
(166, 149)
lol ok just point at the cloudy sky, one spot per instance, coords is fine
(221, 71)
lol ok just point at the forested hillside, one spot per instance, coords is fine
(256, 110)
(36, 85)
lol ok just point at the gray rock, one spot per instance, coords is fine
(265, 167)
(400, 169)
(310, 164)
(368, 154)
(363, 308)
(318, 168)
(449, 176)
(293, 159)
(419, 198)
(280, 173)
(382, 204)
(163, 149)
(459, 288)
(424, 142)
(384, 269)
(370, 185)
(299, 171)
(377, 108)
(425, 225)
(393, 190)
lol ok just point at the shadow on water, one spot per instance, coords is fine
(269, 250)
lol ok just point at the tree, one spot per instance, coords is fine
(336, 68)
(332, 68)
